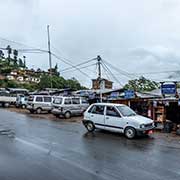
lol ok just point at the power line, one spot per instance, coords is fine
(57, 50)
(156, 72)
(83, 67)
(131, 74)
(120, 71)
(77, 65)
(30, 48)
(110, 72)
(105, 72)
(15, 42)
(68, 63)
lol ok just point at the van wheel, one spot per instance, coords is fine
(6, 105)
(90, 126)
(23, 106)
(130, 132)
(57, 115)
(31, 111)
(38, 110)
(67, 115)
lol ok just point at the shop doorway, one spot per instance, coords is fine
(173, 112)
(140, 107)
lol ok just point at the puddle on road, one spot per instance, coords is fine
(7, 132)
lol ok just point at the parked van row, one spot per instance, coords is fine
(69, 106)
(107, 116)
(57, 105)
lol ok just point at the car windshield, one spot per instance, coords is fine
(126, 111)
(58, 101)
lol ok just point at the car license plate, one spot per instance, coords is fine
(150, 132)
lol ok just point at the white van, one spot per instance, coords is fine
(39, 103)
(118, 118)
(21, 101)
(69, 106)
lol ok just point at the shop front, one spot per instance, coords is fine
(165, 109)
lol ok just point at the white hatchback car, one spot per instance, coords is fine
(118, 118)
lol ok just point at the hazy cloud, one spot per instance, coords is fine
(136, 36)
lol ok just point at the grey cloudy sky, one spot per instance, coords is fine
(136, 36)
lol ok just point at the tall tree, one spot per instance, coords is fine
(56, 70)
(9, 52)
(21, 64)
(1, 54)
(24, 61)
(141, 84)
(15, 53)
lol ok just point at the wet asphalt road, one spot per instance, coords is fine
(47, 150)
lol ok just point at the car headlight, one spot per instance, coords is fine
(142, 126)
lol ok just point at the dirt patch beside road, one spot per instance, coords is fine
(44, 115)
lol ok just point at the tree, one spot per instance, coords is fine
(1, 54)
(56, 70)
(73, 84)
(24, 61)
(21, 64)
(141, 84)
(15, 53)
(9, 51)
(59, 82)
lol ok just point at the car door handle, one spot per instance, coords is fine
(107, 117)
(92, 115)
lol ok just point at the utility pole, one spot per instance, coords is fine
(99, 75)
(99, 66)
(49, 52)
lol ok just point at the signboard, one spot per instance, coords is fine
(179, 102)
(167, 103)
(154, 103)
(129, 94)
(84, 93)
(168, 89)
(65, 93)
(114, 95)
(92, 96)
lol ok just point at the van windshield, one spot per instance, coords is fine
(57, 101)
(30, 98)
(126, 111)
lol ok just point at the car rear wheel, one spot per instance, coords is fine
(90, 126)
(67, 115)
(130, 132)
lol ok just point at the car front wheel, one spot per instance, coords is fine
(130, 132)
(90, 126)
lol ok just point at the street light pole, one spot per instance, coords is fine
(49, 52)
(99, 76)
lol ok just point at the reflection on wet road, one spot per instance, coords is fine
(43, 149)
